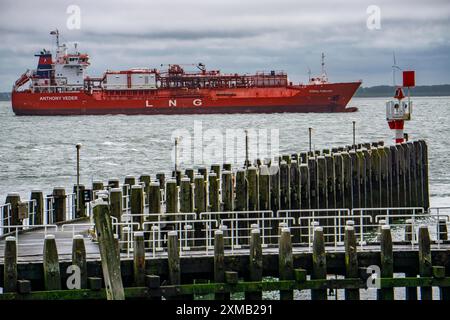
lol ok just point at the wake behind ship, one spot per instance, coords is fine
(60, 87)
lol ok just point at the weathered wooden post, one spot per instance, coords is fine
(264, 187)
(59, 204)
(394, 160)
(256, 263)
(347, 180)
(253, 191)
(145, 179)
(285, 197)
(216, 169)
(139, 259)
(226, 166)
(10, 265)
(384, 178)
(171, 200)
(154, 200)
(204, 172)
(286, 262)
(425, 263)
(303, 157)
(79, 258)
(351, 261)
(339, 180)
(424, 175)
(241, 204)
(367, 157)
(113, 183)
(227, 190)
(199, 205)
(108, 252)
(38, 197)
(331, 181)
(355, 176)
(137, 205)
(97, 185)
(52, 276)
(214, 195)
(115, 203)
(361, 162)
(274, 171)
(313, 183)
(401, 175)
(407, 159)
(294, 186)
(186, 196)
(161, 177)
(189, 172)
(304, 200)
(322, 182)
(387, 262)
(319, 263)
(387, 151)
(130, 180)
(219, 264)
(173, 258)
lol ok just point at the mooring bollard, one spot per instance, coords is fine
(10, 265)
(387, 262)
(139, 259)
(319, 263)
(351, 261)
(219, 264)
(256, 263)
(137, 205)
(285, 262)
(59, 204)
(425, 262)
(38, 197)
(108, 252)
(52, 277)
(79, 258)
(214, 200)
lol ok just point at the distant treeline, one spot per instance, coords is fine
(363, 92)
(419, 91)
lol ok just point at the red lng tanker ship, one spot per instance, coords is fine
(60, 87)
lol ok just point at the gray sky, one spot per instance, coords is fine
(237, 36)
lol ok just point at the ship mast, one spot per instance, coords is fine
(56, 33)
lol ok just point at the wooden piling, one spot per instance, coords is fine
(171, 199)
(241, 191)
(227, 190)
(213, 194)
(387, 262)
(173, 258)
(59, 204)
(108, 252)
(113, 183)
(186, 196)
(285, 192)
(313, 183)
(80, 205)
(161, 177)
(199, 204)
(130, 180)
(226, 167)
(115, 203)
(38, 197)
(137, 205)
(294, 177)
(274, 171)
(97, 185)
(424, 175)
(355, 176)
(331, 182)
(339, 180)
(190, 172)
(347, 180)
(285, 262)
(139, 259)
(253, 191)
(319, 263)
(52, 276)
(384, 178)
(264, 187)
(219, 264)
(256, 263)
(79, 258)
(351, 261)
(425, 263)
(368, 178)
(10, 265)
(394, 165)
(154, 200)
(216, 169)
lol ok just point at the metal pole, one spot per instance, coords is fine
(176, 156)
(310, 131)
(246, 149)
(354, 134)
(78, 146)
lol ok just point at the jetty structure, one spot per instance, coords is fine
(319, 221)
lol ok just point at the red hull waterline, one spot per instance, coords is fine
(327, 97)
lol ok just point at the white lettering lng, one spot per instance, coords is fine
(58, 98)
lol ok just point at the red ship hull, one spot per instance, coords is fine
(329, 97)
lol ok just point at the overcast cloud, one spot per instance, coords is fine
(236, 36)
